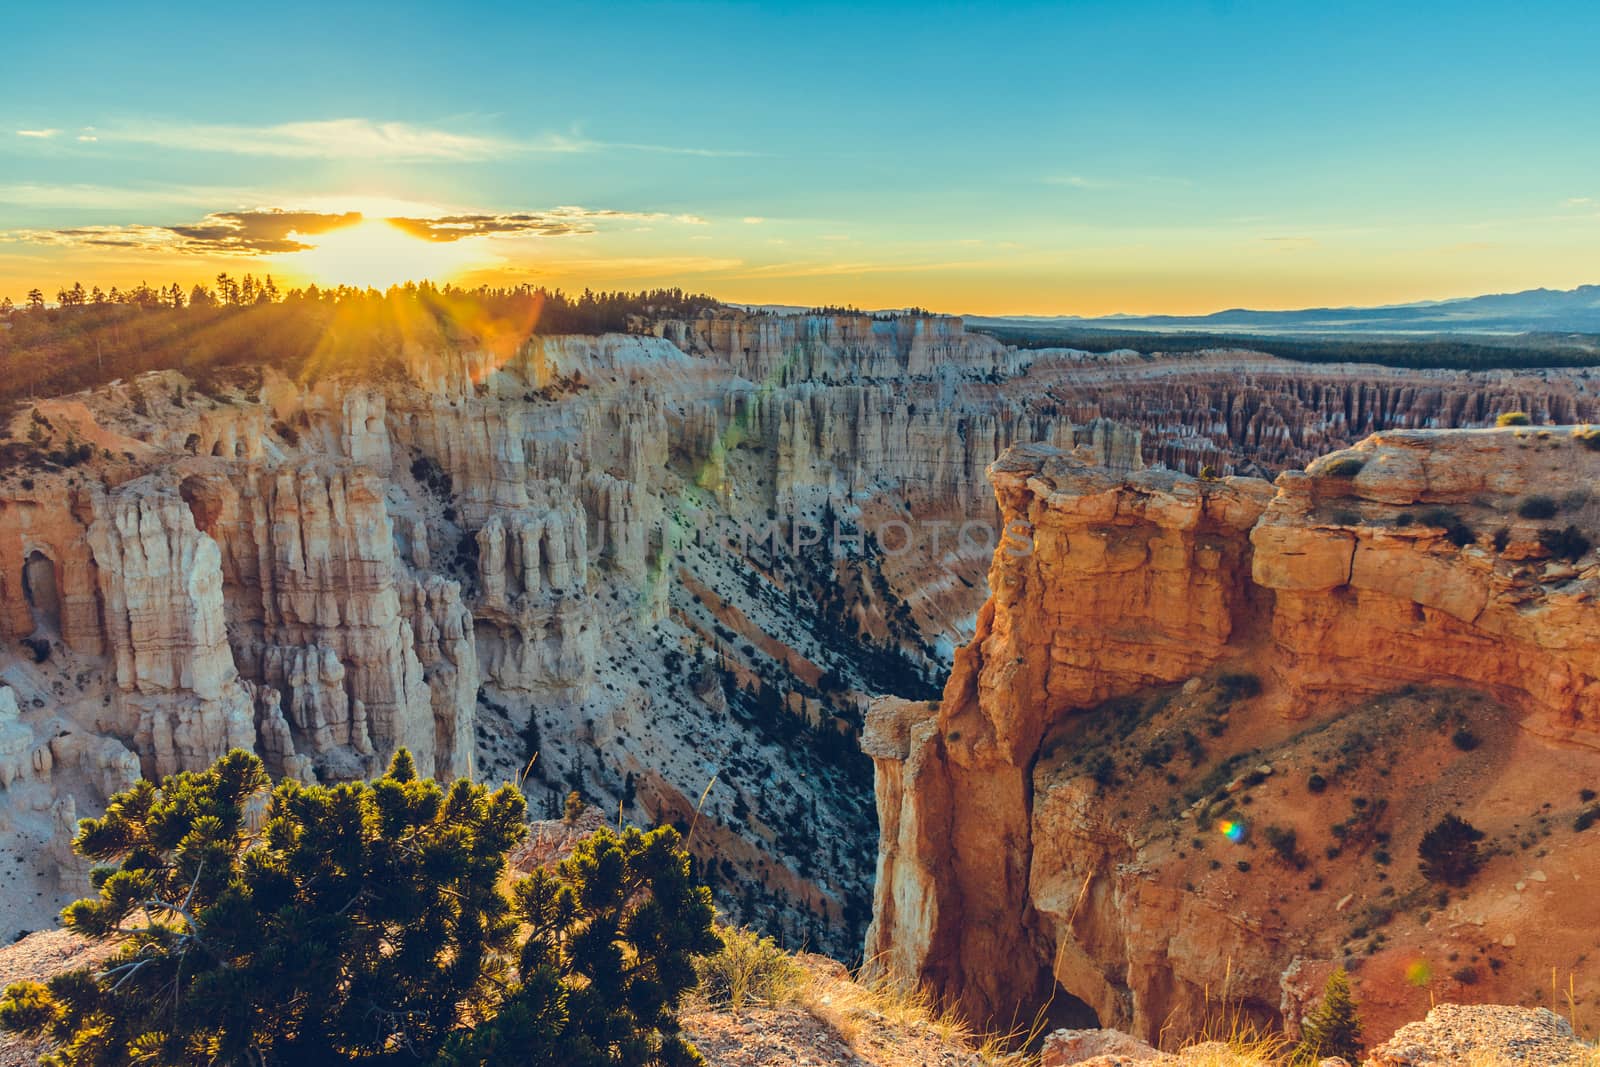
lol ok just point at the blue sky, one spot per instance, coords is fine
(1076, 157)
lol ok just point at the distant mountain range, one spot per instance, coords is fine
(1532, 311)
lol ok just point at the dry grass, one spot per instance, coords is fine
(750, 971)
(873, 999)
(878, 1018)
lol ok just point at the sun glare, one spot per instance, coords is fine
(376, 254)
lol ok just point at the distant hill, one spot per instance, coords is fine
(1534, 310)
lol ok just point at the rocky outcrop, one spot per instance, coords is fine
(1029, 841)
(1483, 1033)
(1484, 603)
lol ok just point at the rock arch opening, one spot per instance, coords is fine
(39, 586)
(1063, 1011)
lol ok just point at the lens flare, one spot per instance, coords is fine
(1233, 829)
(1419, 973)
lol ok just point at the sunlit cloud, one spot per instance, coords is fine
(1291, 244)
(39, 134)
(276, 231)
(753, 220)
(226, 233)
(557, 222)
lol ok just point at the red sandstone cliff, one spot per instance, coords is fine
(1332, 665)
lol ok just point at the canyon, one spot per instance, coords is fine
(653, 567)
(1186, 764)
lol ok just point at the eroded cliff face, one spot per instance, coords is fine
(1324, 668)
(529, 558)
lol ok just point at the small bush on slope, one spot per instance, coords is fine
(1334, 1029)
(362, 923)
(1449, 852)
(750, 969)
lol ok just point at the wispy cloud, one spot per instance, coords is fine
(39, 134)
(1078, 181)
(1291, 244)
(674, 150)
(815, 269)
(1087, 182)
(557, 222)
(752, 220)
(1580, 201)
(363, 139)
(124, 198)
(349, 138)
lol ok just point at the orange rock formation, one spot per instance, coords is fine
(1334, 664)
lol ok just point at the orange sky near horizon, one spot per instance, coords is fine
(973, 278)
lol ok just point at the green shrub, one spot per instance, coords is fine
(572, 808)
(1334, 1028)
(1464, 739)
(1513, 418)
(1457, 531)
(1285, 842)
(1588, 437)
(1239, 686)
(1345, 467)
(1569, 544)
(1450, 852)
(750, 969)
(1538, 507)
(363, 923)
(1586, 818)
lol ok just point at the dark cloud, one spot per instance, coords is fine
(455, 227)
(258, 233)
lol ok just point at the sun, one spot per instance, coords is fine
(376, 254)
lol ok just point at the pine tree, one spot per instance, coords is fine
(628, 938)
(364, 923)
(1334, 1029)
